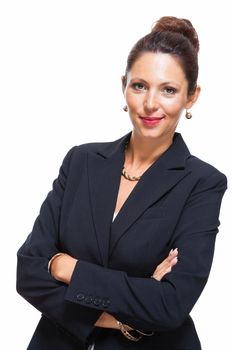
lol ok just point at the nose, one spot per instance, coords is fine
(151, 102)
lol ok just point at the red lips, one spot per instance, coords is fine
(151, 121)
(151, 118)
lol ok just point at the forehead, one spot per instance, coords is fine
(157, 67)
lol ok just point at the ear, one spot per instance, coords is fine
(123, 82)
(193, 98)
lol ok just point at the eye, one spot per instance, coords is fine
(168, 90)
(139, 86)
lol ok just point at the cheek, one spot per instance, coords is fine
(134, 101)
(173, 108)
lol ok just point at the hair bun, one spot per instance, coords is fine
(177, 25)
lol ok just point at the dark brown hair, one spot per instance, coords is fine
(174, 36)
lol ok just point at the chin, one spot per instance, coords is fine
(149, 134)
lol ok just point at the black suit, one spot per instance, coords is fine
(175, 204)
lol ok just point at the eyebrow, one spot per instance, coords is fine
(139, 79)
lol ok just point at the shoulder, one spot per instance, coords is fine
(93, 147)
(204, 172)
(103, 149)
(79, 153)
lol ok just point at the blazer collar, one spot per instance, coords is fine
(175, 156)
(104, 173)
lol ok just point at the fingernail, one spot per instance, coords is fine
(170, 251)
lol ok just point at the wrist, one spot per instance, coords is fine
(131, 333)
(61, 267)
(51, 261)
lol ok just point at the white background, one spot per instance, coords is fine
(60, 69)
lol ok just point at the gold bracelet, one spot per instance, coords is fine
(125, 329)
(149, 334)
(52, 259)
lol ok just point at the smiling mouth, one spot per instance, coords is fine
(151, 121)
(151, 118)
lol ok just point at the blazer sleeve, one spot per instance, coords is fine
(34, 282)
(145, 303)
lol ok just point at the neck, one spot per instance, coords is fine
(143, 151)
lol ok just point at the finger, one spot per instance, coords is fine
(172, 254)
(167, 262)
(159, 276)
(164, 268)
(167, 267)
(174, 261)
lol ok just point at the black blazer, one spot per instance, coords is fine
(176, 203)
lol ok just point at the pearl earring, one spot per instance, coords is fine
(188, 115)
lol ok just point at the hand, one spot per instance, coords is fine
(62, 267)
(166, 266)
(107, 321)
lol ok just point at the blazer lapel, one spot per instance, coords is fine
(104, 173)
(164, 174)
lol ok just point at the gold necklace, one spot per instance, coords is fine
(128, 177)
(125, 174)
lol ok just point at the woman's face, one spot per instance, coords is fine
(156, 94)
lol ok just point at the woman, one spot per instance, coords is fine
(101, 262)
